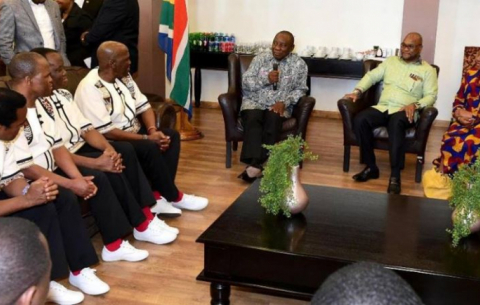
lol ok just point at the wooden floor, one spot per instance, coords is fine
(168, 275)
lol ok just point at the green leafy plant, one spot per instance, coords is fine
(465, 200)
(276, 185)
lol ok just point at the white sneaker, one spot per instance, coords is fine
(88, 282)
(126, 252)
(191, 202)
(155, 234)
(58, 294)
(158, 222)
(165, 208)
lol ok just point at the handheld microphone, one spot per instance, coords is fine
(275, 68)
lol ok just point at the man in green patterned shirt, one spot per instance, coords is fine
(410, 84)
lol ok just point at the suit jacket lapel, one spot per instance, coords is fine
(28, 10)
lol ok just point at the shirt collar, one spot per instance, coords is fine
(286, 58)
(33, 3)
(417, 62)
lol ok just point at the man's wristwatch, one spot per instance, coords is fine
(357, 92)
(25, 189)
(144, 137)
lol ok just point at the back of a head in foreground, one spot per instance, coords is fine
(24, 258)
(365, 284)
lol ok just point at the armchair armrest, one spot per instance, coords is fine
(230, 110)
(425, 121)
(165, 115)
(301, 112)
(348, 109)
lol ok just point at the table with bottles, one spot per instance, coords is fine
(211, 50)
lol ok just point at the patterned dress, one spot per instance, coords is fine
(460, 143)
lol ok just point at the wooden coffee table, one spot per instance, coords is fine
(292, 257)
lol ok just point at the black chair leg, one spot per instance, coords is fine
(235, 145)
(346, 158)
(418, 169)
(228, 161)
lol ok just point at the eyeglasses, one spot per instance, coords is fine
(408, 46)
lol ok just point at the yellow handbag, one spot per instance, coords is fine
(436, 185)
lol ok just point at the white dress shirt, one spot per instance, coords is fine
(111, 105)
(69, 120)
(80, 2)
(9, 170)
(44, 24)
(40, 137)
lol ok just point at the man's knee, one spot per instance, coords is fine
(66, 201)
(399, 121)
(100, 178)
(360, 120)
(124, 148)
(250, 116)
(174, 136)
(172, 133)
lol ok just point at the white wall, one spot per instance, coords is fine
(457, 28)
(332, 23)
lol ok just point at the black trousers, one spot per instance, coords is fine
(107, 211)
(259, 127)
(397, 124)
(160, 167)
(131, 187)
(61, 223)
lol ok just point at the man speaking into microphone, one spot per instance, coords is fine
(272, 85)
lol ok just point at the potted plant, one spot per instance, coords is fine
(280, 187)
(465, 201)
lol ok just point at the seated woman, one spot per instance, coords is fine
(461, 141)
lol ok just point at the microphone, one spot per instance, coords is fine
(275, 68)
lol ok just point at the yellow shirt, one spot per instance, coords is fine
(403, 84)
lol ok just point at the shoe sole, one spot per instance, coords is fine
(190, 209)
(152, 242)
(64, 302)
(124, 259)
(95, 293)
(169, 215)
(366, 179)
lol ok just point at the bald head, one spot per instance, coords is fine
(24, 260)
(109, 51)
(415, 37)
(113, 60)
(24, 64)
(412, 47)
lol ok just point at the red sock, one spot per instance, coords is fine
(180, 197)
(114, 246)
(143, 226)
(76, 272)
(157, 195)
(148, 213)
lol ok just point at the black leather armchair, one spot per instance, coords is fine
(231, 102)
(416, 137)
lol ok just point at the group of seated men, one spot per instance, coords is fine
(100, 144)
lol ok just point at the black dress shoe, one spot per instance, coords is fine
(394, 186)
(366, 175)
(245, 177)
